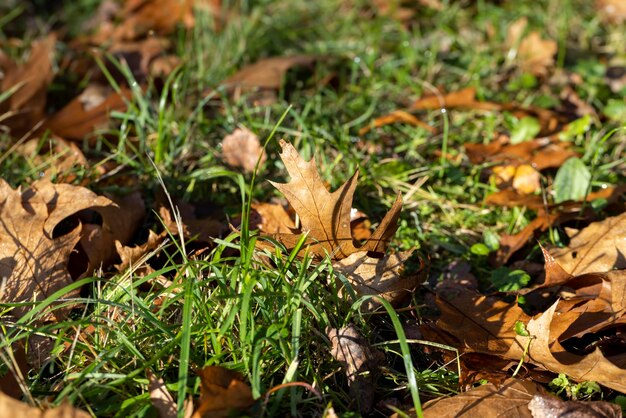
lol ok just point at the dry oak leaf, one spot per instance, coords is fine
(599, 247)
(383, 277)
(33, 257)
(359, 361)
(545, 351)
(325, 216)
(223, 392)
(10, 408)
(486, 401)
(242, 148)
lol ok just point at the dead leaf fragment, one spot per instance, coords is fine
(161, 398)
(57, 157)
(242, 148)
(395, 117)
(546, 351)
(486, 401)
(523, 178)
(482, 324)
(359, 361)
(599, 247)
(271, 218)
(265, 76)
(325, 216)
(534, 54)
(612, 11)
(88, 111)
(383, 277)
(119, 223)
(223, 392)
(10, 407)
(545, 406)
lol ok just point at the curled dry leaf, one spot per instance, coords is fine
(88, 111)
(486, 401)
(130, 256)
(25, 106)
(10, 407)
(546, 351)
(599, 247)
(487, 326)
(242, 148)
(359, 361)
(34, 254)
(119, 223)
(222, 393)
(384, 277)
(325, 216)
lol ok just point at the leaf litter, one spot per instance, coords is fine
(66, 232)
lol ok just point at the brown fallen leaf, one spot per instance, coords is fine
(36, 245)
(359, 361)
(24, 109)
(10, 407)
(223, 392)
(265, 76)
(522, 178)
(534, 54)
(384, 277)
(546, 406)
(88, 111)
(463, 98)
(486, 401)
(599, 247)
(119, 223)
(545, 351)
(481, 324)
(394, 117)
(540, 153)
(557, 214)
(271, 218)
(242, 148)
(131, 255)
(161, 398)
(56, 158)
(325, 216)
(612, 11)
